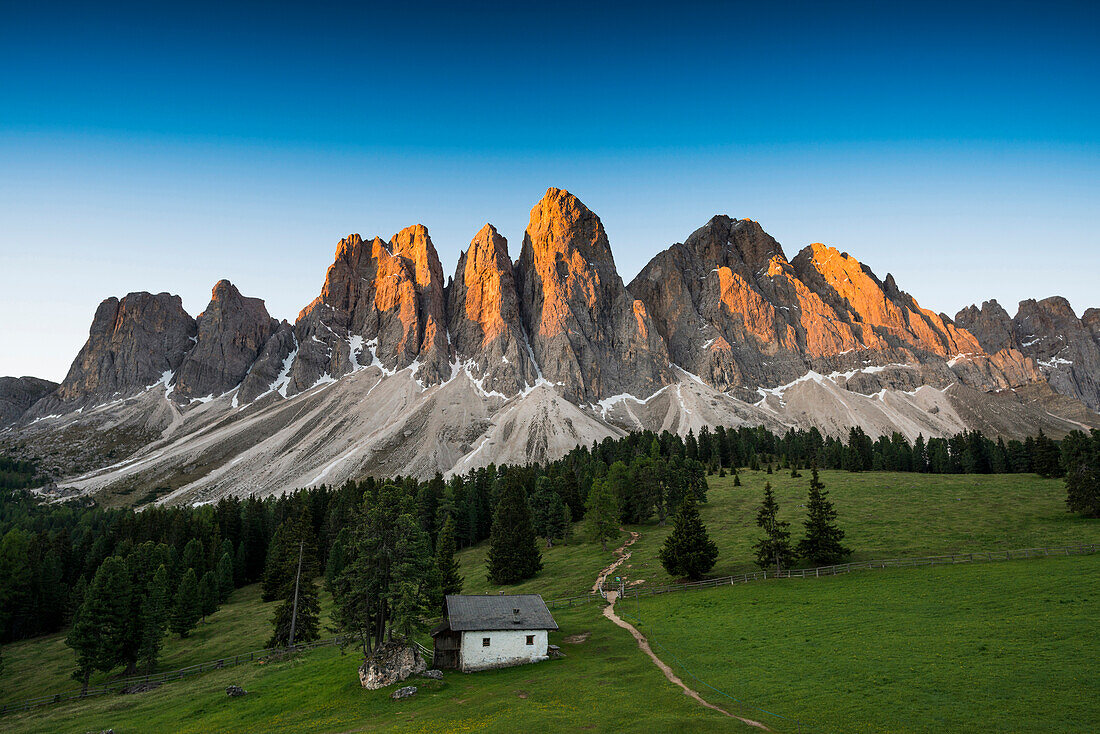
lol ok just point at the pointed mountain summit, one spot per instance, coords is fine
(587, 333)
(231, 333)
(381, 303)
(485, 324)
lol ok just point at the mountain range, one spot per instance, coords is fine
(393, 370)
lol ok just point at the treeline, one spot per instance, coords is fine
(50, 555)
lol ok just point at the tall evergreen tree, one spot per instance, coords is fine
(225, 577)
(154, 619)
(821, 544)
(449, 577)
(601, 520)
(774, 549)
(187, 606)
(102, 625)
(208, 594)
(513, 551)
(688, 550)
(307, 625)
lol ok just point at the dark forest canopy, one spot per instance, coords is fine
(50, 553)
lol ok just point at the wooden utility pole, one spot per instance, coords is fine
(294, 608)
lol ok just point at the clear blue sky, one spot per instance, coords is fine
(955, 145)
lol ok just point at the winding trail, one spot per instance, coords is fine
(643, 643)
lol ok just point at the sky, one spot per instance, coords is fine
(162, 147)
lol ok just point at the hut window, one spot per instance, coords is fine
(530, 639)
(485, 642)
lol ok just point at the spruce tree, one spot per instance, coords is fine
(557, 520)
(774, 549)
(821, 545)
(154, 619)
(513, 552)
(102, 626)
(225, 577)
(601, 520)
(449, 577)
(307, 626)
(688, 550)
(208, 594)
(76, 598)
(187, 606)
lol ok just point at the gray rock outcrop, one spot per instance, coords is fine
(18, 394)
(231, 333)
(390, 663)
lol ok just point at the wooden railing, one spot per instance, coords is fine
(119, 684)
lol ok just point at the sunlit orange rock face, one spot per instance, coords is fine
(484, 310)
(583, 327)
(736, 312)
(387, 298)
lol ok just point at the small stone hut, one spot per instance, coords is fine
(484, 632)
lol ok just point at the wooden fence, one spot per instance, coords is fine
(118, 684)
(805, 573)
(571, 601)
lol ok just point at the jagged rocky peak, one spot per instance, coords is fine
(587, 333)
(1064, 346)
(726, 241)
(18, 394)
(133, 343)
(380, 301)
(231, 333)
(991, 326)
(853, 289)
(485, 324)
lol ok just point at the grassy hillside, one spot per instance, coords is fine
(43, 665)
(993, 647)
(885, 515)
(602, 685)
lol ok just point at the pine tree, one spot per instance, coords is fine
(225, 577)
(282, 556)
(102, 626)
(821, 545)
(449, 577)
(737, 480)
(154, 619)
(307, 626)
(774, 549)
(601, 520)
(688, 550)
(557, 520)
(513, 552)
(76, 598)
(187, 606)
(208, 594)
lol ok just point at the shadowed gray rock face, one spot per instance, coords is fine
(271, 370)
(231, 333)
(133, 343)
(587, 333)
(485, 325)
(17, 394)
(1064, 346)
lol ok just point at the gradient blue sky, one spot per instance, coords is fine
(955, 145)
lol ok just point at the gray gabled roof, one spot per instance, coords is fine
(519, 611)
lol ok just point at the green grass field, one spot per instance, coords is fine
(1006, 646)
(885, 515)
(602, 685)
(44, 665)
(607, 681)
